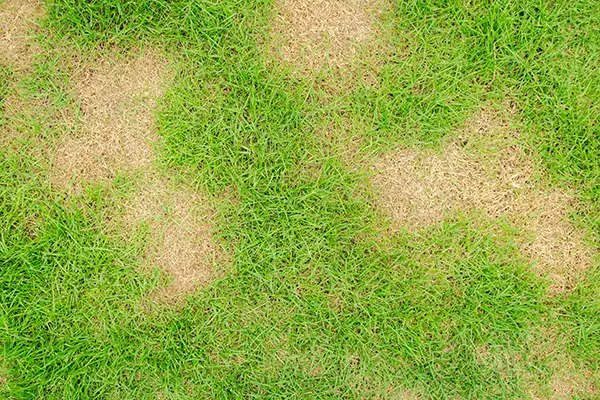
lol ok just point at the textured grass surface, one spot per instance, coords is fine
(317, 304)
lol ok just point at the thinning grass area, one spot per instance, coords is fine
(316, 303)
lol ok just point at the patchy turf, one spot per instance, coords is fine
(117, 137)
(421, 188)
(569, 378)
(184, 215)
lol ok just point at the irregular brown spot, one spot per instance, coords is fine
(399, 393)
(17, 24)
(313, 34)
(408, 395)
(419, 188)
(118, 97)
(569, 385)
(568, 379)
(180, 228)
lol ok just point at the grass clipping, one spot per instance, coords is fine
(117, 136)
(313, 34)
(420, 188)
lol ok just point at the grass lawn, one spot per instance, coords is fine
(387, 199)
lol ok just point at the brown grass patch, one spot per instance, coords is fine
(314, 34)
(562, 377)
(17, 24)
(419, 188)
(118, 97)
(568, 379)
(569, 384)
(180, 228)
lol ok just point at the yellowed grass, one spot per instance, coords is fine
(117, 98)
(3, 372)
(180, 224)
(17, 25)
(313, 34)
(569, 379)
(419, 188)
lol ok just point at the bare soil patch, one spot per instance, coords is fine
(118, 97)
(419, 188)
(180, 225)
(313, 34)
(17, 25)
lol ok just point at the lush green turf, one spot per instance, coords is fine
(316, 304)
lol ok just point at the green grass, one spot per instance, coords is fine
(316, 304)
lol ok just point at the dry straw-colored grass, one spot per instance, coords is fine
(117, 133)
(405, 395)
(568, 379)
(17, 49)
(118, 96)
(17, 25)
(180, 225)
(419, 188)
(569, 384)
(314, 34)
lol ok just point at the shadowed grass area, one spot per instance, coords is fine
(317, 304)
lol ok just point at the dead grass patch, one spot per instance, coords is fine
(484, 169)
(567, 379)
(179, 223)
(17, 25)
(118, 97)
(313, 34)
